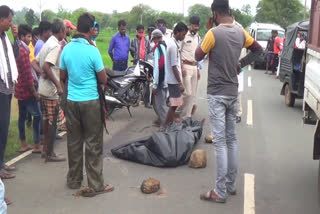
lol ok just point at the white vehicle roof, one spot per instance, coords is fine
(256, 25)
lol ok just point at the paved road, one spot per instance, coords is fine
(276, 149)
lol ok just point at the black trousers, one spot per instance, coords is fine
(5, 111)
(275, 63)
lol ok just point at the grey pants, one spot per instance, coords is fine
(84, 126)
(222, 112)
(160, 103)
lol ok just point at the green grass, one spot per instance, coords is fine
(13, 144)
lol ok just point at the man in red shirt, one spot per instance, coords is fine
(26, 93)
(278, 46)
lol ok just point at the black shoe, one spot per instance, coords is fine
(232, 193)
(148, 106)
(55, 158)
(58, 137)
(238, 119)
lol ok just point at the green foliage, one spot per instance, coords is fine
(243, 16)
(282, 12)
(19, 16)
(48, 15)
(30, 17)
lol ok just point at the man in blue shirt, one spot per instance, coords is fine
(45, 33)
(81, 62)
(119, 48)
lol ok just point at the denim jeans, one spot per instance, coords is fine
(33, 107)
(222, 112)
(5, 110)
(119, 66)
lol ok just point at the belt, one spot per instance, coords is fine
(120, 62)
(189, 63)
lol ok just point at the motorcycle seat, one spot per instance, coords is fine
(114, 74)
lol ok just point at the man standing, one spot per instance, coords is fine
(174, 78)
(162, 25)
(26, 93)
(190, 71)
(140, 46)
(160, 85)
(8, 76)
(82, 63)
(69, 28)
(119, 48)
(224, 44)
(270, 50)
(277, 47)
(45, 33)
(50, 88)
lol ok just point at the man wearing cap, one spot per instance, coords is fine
(224, 44)
(69, 28)
(190, 71)
(160, 85)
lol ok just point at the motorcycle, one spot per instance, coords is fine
(126, 89)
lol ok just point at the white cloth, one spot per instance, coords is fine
(3, 205)
(4, 70)
(240, 80)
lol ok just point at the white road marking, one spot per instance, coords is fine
(249, 68)
(20, 157)
(249, 201)
(249, 82)
(249, 113)
(27, 153)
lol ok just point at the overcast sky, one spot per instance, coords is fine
(121, 5)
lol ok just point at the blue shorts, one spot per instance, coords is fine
(270, 57)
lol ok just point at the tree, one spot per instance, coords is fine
(48, 15)
(243, 16)
(282, 12)
(30, 17)
(203, 12)
(19, 16)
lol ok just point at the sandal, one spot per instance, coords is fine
(9, 168)
(8, 201)
(89, 192)
(6, 175)
(212, 196)
(25, 149)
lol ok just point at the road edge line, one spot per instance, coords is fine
(249, 113)
(249, 197)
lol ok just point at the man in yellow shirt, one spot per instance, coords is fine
(224, 44)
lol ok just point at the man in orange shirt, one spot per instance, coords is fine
(278, 46)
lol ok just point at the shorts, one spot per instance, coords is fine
(48, 110)
(270, 58)
(175, 96)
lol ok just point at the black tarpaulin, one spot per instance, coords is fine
(164, 149)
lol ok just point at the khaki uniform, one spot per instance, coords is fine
(190, 66)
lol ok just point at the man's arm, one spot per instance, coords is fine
(102, 77)
(16, 44)
(111, 47)
(63, 75)
(132, 48)
(206, 46)
(255, 51)
(47, 70)
(35, 66)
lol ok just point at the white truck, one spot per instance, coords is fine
(311, 101)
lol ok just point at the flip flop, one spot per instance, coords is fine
(212, 197)
(91, 193)
(10, 168)
(4, 175)
(25, 150)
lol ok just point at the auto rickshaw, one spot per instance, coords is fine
(293, 63)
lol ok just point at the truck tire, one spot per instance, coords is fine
(289, 97)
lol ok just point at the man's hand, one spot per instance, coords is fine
(198, 74)
(181, 87)
(184, 72)
(239, 68)
(37, 96)
(154, 91)
(14, 30)
(209, 24)
(59, 90)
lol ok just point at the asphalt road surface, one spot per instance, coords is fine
(276, 176)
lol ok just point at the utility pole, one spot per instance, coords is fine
(183, 7)
(305, 10)
(40, 5)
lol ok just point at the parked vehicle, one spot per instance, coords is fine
(293, 63)
(311, 101)
(261, 32)
(126, 89)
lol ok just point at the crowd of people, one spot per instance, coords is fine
(56, 82)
